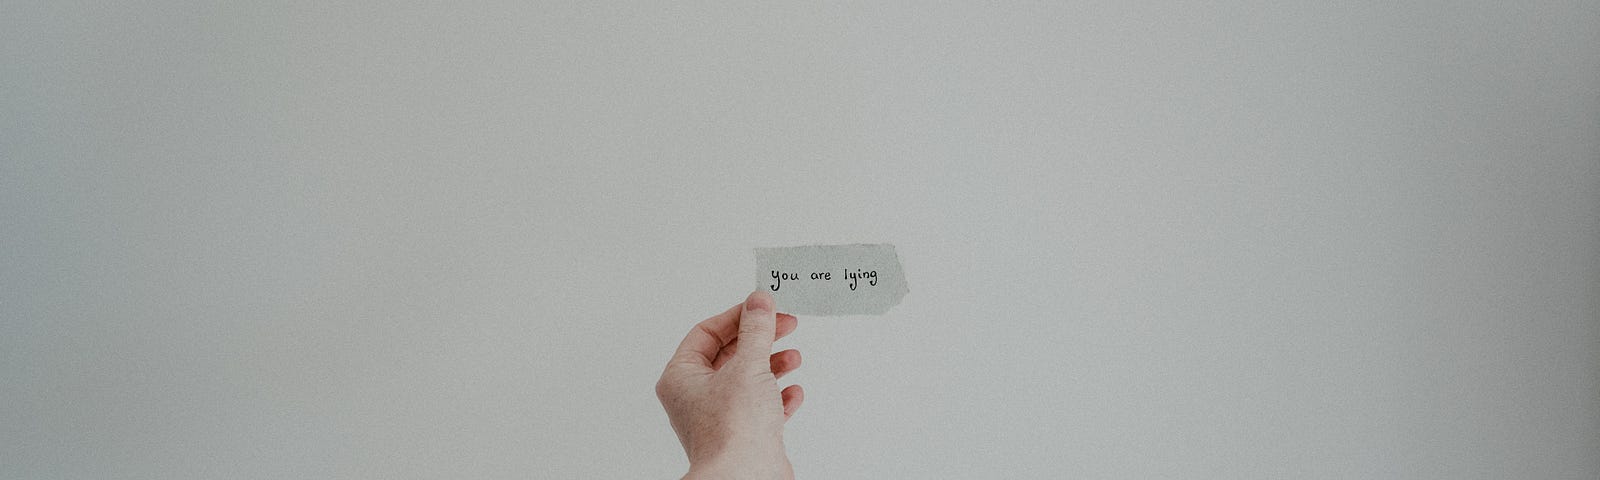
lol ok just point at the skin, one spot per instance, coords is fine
(720, 390)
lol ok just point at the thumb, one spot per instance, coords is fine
(758, 324)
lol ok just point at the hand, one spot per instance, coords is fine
(721, 392)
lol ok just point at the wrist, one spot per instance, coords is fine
(747, 466)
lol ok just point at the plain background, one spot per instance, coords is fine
(460, 239)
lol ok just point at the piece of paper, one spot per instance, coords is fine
(857, 279)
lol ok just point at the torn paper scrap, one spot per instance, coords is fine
(857, 279)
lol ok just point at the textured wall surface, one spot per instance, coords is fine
(460, 239)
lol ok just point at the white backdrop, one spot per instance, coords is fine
(459, 239)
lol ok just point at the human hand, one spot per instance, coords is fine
(721, 392)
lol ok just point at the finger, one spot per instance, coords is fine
(784, 362)
(706, 339)
(786, 325)
(758, 326)
(792, 398)
(722, 357)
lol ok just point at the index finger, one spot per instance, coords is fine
(707, 337)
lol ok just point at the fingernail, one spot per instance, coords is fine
(758, 301)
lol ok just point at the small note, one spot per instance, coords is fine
(856, 279)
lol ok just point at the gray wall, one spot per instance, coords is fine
(456, 240)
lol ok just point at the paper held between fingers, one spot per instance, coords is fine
(854, 279)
